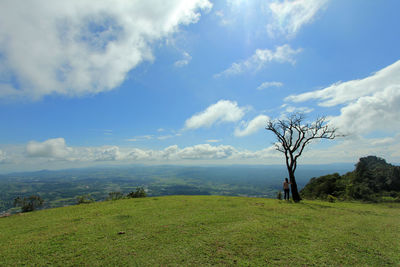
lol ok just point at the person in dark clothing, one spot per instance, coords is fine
(286, 189)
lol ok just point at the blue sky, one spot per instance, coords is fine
(86, 83)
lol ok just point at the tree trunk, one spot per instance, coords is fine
(293, 186)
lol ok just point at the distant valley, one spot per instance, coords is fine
(62, 187)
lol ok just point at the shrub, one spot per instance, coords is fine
(387, 199)
(140, 192)
(28, 204)
(115, 195)
(279, 195)
(331, 198)
(84, 199)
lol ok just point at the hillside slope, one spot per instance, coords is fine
(204, 230)
(372, 180)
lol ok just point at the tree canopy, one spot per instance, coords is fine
(372, 180)
(293, 135)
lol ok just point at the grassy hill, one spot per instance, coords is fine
(204, 230)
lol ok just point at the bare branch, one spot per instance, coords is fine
(293, 135)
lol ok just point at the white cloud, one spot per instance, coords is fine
(266, 85)
(291, 109)
(260, 58)
(2, 156)
(233, 11)
(223, 20)
(51, 148)
(140, 138)
(251, 127)
(82, 47)
(345, 92)
(206, 151)
(222, 111)
(57, 149)
(351, 149)
(184, 61)
(213, 140)
(290, 16)
(139, 154)
(107, 154)
(164, 137)
(348, 149)
(371, 104)
(378, 112)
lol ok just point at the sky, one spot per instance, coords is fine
(90, 83)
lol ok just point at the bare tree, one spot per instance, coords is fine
(293, 135)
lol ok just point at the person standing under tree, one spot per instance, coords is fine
(286, 189)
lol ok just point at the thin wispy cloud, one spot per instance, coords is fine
(164, 137)
(289, 16)
(186, 57)
(213, 140)
(293, 109)
(260, 58)
(140, 138)
(266, 85)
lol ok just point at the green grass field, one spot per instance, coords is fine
(203, 231)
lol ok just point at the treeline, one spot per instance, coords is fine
(34, 202)
(372, 180)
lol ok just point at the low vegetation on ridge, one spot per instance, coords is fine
(372, 180)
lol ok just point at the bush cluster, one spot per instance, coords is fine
(28, 203)
(140, 192)
(372, 180)
(84, 199)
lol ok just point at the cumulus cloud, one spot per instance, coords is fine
(51, 148)
(340, 150)
(289, 16)
(82, 47)
(106, 153)
(222, 111)
(266, 85)
(206, 151)
(248, 128)
(370, 104)
(139, 154)
(351, 149)
(184, 61)
(378, 112)
(260, 58)
(345, 92)
(56, 149)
